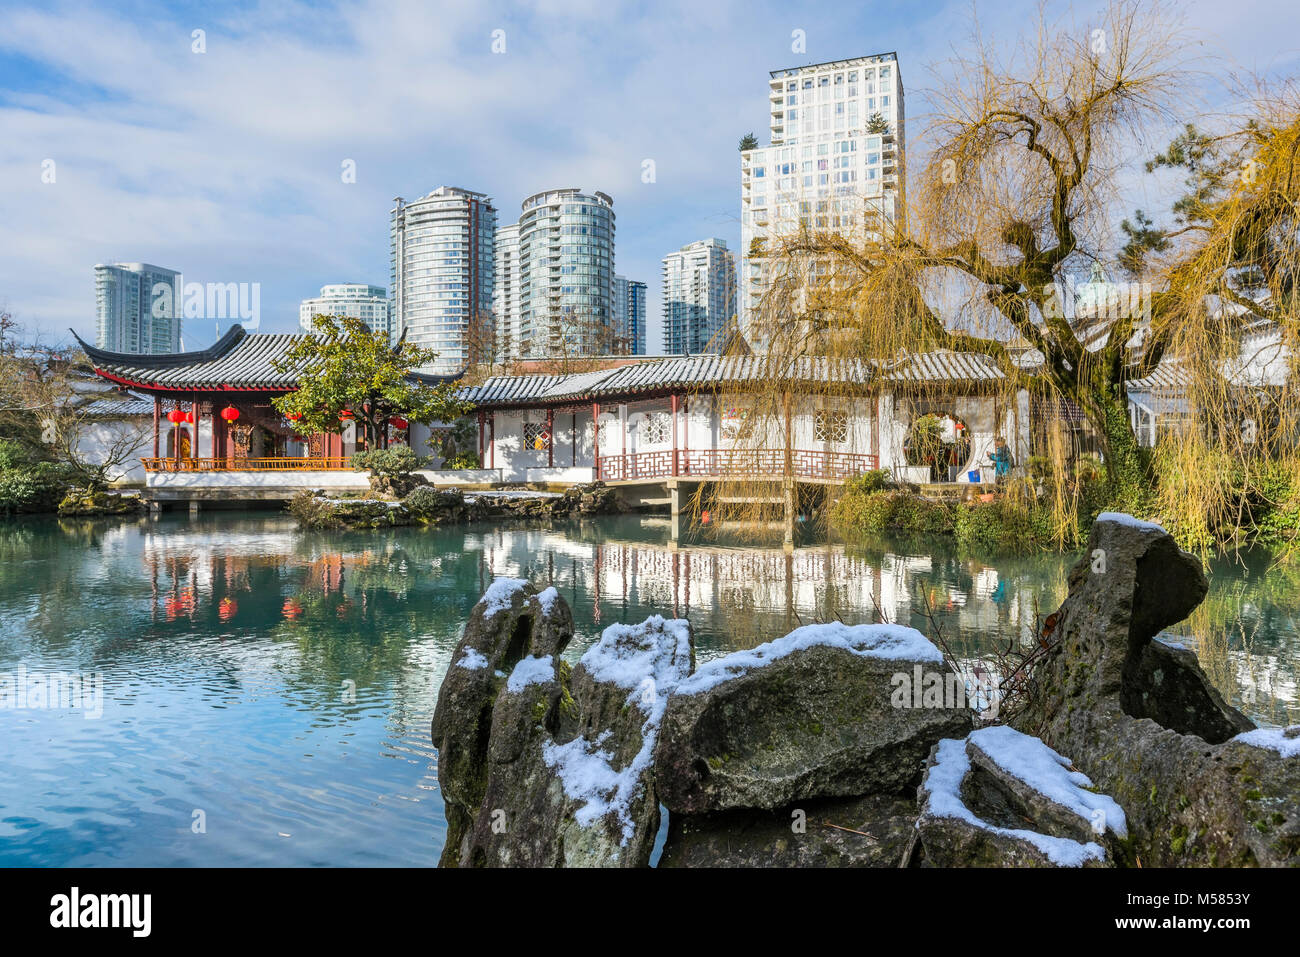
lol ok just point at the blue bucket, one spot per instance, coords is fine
(974, 476)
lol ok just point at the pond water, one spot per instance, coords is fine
(257, 695)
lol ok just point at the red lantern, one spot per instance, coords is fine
(189, 417)
(227, 608)
(345, 414)
(175, 416)
(230, 413)
(293, 416)
(398, 422)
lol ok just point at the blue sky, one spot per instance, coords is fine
(226, 164)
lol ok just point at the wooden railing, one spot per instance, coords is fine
(755, 463)
(232, 464)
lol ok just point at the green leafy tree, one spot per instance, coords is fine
(748, 142)
(346, 370)
(877, 125)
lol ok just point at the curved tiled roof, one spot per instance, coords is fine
(687, 373)
(945, 366)
(238, 360)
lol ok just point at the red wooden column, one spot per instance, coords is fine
(595, 438)
(550, 437)
(157, 418)
(194, 439)
(674, 406)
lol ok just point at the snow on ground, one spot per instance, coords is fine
(354, 501)
(1029, 759)
(470, 499)
(531, 671)
(649, 660)
(547, 597)
(1275, 739)
(889, 642)
(1122, 518)
(943, 786)
(500, 594)
(472, 660)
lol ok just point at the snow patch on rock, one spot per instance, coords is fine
(531, 671)
(943, 786)
(500, 594)
(888, 642)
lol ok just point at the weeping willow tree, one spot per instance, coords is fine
(1229, 312)
(982, 257)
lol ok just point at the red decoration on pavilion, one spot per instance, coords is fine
(345, 414)
(230, 413)
(189, 417)
(175, 416)
(398, 422)
(293, 416)
(227, 608)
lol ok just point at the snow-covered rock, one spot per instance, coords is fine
(816, 714)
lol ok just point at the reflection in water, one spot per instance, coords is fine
(278, 685)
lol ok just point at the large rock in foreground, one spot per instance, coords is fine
(870, 831)
(1003, 799)
(816, 714)
(1140, 718)
(511, 622)
(543, 767)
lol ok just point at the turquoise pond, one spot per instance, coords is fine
(266, 692)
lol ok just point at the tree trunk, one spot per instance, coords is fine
(1128, 465)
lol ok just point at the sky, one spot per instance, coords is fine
(228, 164)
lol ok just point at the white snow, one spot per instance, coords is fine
(658, 650)
(470, 499)
(1043, 769)
(354, 501)
(472, 660)
(531, 671)
(943, 785)
(546, 597)
(1274, 739)
(1122, 518)
(649, 660)
(888, 642)
(500, 594)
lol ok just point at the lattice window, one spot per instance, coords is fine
(655, 428)
(536, 436)
(831, 425)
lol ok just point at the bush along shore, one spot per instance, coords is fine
(844, 745)
(1024, 514)
(33, 484)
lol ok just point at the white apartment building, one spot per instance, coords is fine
(836, 162)
(699, 295)
(358, 300)
(565, 278)
(136, 308)
(505, 295)
(443, 264)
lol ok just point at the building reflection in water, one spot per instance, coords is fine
(406, 583)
